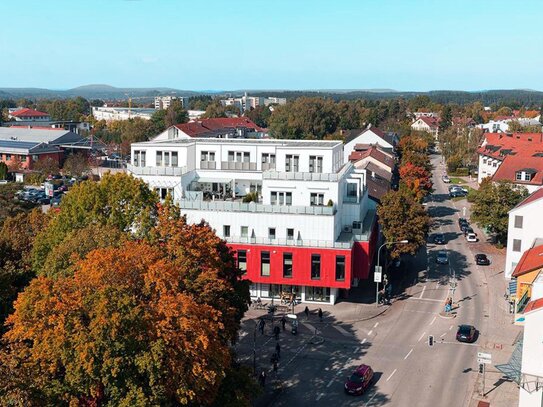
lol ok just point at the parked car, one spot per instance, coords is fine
(482, 260)
(466, 333)
(461, 221)
(471, 237)
(464, 226)
(360, 380)
(468, 229)
(457, 188)
(442, 257)
(446, 179)
(439, 238)
(456, 193)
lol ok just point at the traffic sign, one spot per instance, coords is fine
(378, 275)
(484, 361)
(484, 355)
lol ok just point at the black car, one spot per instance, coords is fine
(439, 238)
(482, 260)
(467, 230)
(466, 333)
(457, 193)
(464, 227)
(461, 221)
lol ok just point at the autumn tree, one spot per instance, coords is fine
(402, 217)
(10, 204)
(417, 179)
(214, 109)
(492, 204)
(4, 170)
(259, 115)
(76, 165)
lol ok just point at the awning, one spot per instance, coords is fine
(212, 180)
(511, 370)
(513, 287)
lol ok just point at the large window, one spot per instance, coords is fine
(175, 160)
(287, 265)
(290, 233)
(159, 158)
(242, 260)
(226, 230)
(207, 156)
(268, 158)
(291, 164)
(518, 222)
(321, 294)
(238, 156)
(166, 159)
(516, 245)
(315, 267)
(351, 189)
(316, 199)
(271, 233)
(281, 198)
(163, 192)
(315, 163)
(264, 263)
(244, 231)
(340, 268)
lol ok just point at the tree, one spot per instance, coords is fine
(417, 179)
(214, 109)
(175, 114)
(259, 115)
(46, 166)
(446, 118)
(492, 204)
(4, 170)
(402, 217)
(541, 115)
(76, 165)
(10, 205)
(200, 102)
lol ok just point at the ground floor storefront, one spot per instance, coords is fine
(285, 294)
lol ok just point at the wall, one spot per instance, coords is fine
(533, 332)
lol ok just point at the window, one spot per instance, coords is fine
(238, 156)
(264, 263)
(351, 189)
(159, 158)
(518, 222)
(175, 160)
(316, 199)
(142, 158)
(340, 268)
(271, 233)
(8, 157)
(163, 192)
(268, 158)
(242, 260)
(244, 231)
(291, 164)
(281, 198)
(494, 164)
(315, 267)
(290, 233)
(518, 176)
(516, 245)
(321, 294)
(527, 176)
(167, 159)
(315, 163)
(23, 158)
(287, 265)
(207, 156)
(226, 230)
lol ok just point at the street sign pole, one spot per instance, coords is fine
(483, 359)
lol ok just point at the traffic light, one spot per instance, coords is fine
(481, 368)
(430, 340)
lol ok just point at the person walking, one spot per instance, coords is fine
(262, 378)
(306, 312)
(283, 322)
(276, 332)
(278, 350)
(320, 314)
(261, 326)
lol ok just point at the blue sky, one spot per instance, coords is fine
(273, 44)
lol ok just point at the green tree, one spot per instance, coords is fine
(10, 205)
(76, 165)
(259, 115)
(402, 217)
(492, 204)
(4, 170)
(214, 109)
(175, 114)
(446, 118)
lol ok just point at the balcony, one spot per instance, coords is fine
(208, 165)
(268, 166)
(300, 176)
(169, 171)
(238, 166)
(290, 242)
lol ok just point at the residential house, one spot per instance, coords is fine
(467, 122)
(527, 271)
(121, 113)
(428, 124)
(306, 227)
(28, 115)
(164, 102)
(524, 228)
(371, 135)
(234, 127)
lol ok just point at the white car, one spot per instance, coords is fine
(446, 179)
(471, 237)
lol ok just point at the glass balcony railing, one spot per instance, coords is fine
(173, 171)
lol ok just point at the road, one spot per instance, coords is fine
(408, 371)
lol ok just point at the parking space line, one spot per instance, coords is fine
(376, 325)
(370, 332)
(341, 330)
(450, 327)
(433, 320)
(364, 341)
(406, 356)
(392, 374)
(422, 292)
(330, 382)
(422, 336)
(443, 334)
(319, 396)
(357, 349)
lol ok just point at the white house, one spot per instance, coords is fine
(298, 217)
(28, 115)
(164, 102)
(369, 136)
(429, 124)
(524, 227)
(121, 113)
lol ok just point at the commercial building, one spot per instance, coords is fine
(27, 115)
(298, 217)
(121, 113)
(164, 102)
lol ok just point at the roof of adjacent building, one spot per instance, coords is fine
(28, 113)
(534, 196)
(388, 137)
(26, 147)
(276, 142)
(432, 122)
(463, 121)
(45, 135)
(205, 127)
(373, 152)
(513, 164)
(377, 187)
(532, 259)
(534, 305)
(382, 173)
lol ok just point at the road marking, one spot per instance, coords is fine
(433, 320)
(309, 326)
(422, 336)
(450, 327)
(406, 356)
(357, 349)
(342, 330)
(330, 383)
(319, 396)
(370, 332)
(364, 341)
(422, 292)
(242, 335)
(443, 334)
(424, 299)
(392, 374)
(371, 398)
(376, 325)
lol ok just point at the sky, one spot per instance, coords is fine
(273, 44)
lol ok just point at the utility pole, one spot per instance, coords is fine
(378, 269)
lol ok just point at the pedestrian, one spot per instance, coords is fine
(276, 332)
(283, 322)
(262, 378)
(275, 366)
(278, 350)
(261, 326)
(273, 358)
(306, 312)
(320, 314)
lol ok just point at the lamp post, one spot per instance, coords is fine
(378, 267)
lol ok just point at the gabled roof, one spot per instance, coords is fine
(48, 135)
(512, 164)
(432, 122)
(387, 137)
(534, 305)
(498, 145)
(373, 152)
(531, 198)
(377, 187)
(532, 259)
(28, 113)
(206, 127)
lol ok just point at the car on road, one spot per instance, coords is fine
(457, 188)
(446, 179)
(482, 260)
(439, 238)
(466, 333)
(468, 229)
(442, 257)
(461, 221)
(464, 226)
(457, 193)
(472, 237)
(359, 380)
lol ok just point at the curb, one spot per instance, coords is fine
(447, 316)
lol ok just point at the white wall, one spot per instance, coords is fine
(487, 167)
(532, 362)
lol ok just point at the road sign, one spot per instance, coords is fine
(378, 275)
(484, 361)
(484, 355)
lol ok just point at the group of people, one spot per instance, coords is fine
(448, 305)
(319, 313)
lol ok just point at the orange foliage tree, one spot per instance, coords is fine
(417, 179)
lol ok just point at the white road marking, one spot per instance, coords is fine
(422, 292)
(309, 326)
(406, 356)
(242, 335)
(422, 336)
(342, 330)
(371, 398)
(376, 325)
(370, 332)
(450, 327)
(357, 349)
(364, 341)
(319, 396)
(330, 383)
(424, 299)
(433, 320)
(392, 374)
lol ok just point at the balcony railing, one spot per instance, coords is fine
(300, 176)
(290, 242)
(268, 166)
(173, 171)
(521, 304)
(238, 166)
(208, 165)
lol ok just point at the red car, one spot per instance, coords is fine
(360, 380)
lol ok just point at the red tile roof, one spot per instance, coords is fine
(28, 113)
(432, 122)
(203, 126)
(512, 164)
(533, 305)
(498, 145)
(531, 198)
(371, 152)
(532, 259)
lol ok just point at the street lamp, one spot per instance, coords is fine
(378, 267)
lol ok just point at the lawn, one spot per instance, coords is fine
(456, 180)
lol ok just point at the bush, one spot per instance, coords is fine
(330, 203)
(250, 197)
(462, 172)
(472, 195)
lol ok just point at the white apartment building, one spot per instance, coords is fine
(309, 228)
(164, 102)
(246, 102)
(121, 113)
(524, 227)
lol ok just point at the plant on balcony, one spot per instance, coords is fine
(330, 203)
(250, 197)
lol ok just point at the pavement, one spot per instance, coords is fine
(393, 339)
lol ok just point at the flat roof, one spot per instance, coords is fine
(31, 135)
(272, 142)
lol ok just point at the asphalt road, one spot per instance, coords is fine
(395, 344)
